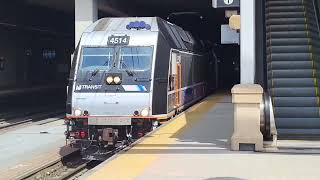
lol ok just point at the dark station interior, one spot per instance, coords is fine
(37, 41)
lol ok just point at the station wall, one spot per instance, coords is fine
(8, 59)
(35, 45)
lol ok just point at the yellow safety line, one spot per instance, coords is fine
(132, 163)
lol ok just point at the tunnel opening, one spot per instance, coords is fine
(206, 25)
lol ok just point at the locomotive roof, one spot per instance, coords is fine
(120, 23)
(177, 37)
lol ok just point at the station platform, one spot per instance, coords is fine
(195, 145)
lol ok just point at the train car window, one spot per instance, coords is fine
(97, 58)
(188, 68)
(136, 58)
(197, 69)
(173, 70)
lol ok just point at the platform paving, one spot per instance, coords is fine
(25, 148)
(196, 146)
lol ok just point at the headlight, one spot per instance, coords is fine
(116, 80)
(144, 112)
(109, 79)
(77, 112)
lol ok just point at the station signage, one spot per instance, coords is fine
(228, 35)
(226, 3)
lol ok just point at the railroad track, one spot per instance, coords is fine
(58, 169)
(29, 118)
(69, 167)
(72, 166)
(22, 112)
(111, 154)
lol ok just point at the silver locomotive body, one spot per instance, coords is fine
(127, 74)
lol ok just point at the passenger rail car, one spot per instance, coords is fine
(127, 75)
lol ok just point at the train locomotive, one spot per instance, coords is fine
(127, 75)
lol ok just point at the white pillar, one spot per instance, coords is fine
(247, 41)
(86, 12)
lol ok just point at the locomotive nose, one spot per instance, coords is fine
(115, 104)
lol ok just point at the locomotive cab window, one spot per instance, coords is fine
(136, 58)
(97, 58)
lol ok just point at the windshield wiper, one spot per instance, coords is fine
(95, 72)
(128, 71)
